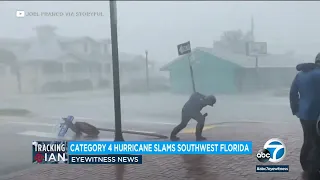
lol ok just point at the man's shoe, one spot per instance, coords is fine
(201, 138)
(174, 138)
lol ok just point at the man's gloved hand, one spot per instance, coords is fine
(205, 115)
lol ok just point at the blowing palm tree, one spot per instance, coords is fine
(8, 58)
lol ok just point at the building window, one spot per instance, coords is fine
(52, 68)
(104, 48)
(76, 67)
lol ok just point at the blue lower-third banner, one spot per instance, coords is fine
(105, 159)
(272, 168)
(157, 148)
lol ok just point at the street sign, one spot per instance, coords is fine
(256, 48)
(184, 48)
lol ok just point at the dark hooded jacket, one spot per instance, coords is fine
(304, 92)
(195, 103)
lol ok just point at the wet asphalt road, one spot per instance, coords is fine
(152, 113)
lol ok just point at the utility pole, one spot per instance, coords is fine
(115, 66)
(252, 29)
(191, 72)
(147, 71)
(257, 72)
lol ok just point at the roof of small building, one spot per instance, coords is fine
(269, 60)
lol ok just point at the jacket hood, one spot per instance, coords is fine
(305, 67)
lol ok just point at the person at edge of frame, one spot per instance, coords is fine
(192, 110)
(305, 104)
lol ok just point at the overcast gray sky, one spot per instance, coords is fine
(160, 26)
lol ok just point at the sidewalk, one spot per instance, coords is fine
(189, 167)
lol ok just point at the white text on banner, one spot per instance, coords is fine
(156, 148)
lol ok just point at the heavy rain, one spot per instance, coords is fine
(56, 60)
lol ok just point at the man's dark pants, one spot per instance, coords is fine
(186, 116)
(310, 151)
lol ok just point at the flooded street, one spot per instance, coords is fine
(152, 113)
(160, 107)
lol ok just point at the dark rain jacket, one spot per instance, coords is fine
(195, 103)
(304, 92)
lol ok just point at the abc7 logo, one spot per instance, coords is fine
(274, 151)
(263, 155)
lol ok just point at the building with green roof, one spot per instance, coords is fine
(229, 73)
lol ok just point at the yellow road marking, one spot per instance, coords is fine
(193, 130)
